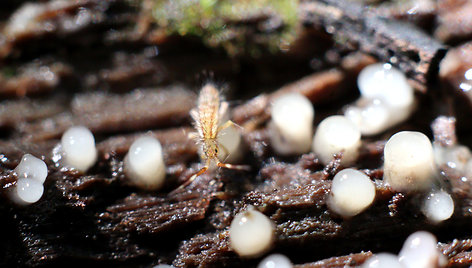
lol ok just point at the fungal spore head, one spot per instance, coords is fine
(337, 134)
(251, 233)
(291, 124)
(27, 191)
(351, 193)
(409, 161)
(420, 251)
(144, 164)
(32, 167)
(78, 147)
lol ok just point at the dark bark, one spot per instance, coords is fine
(354, 26)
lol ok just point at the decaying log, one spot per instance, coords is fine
(342, 261)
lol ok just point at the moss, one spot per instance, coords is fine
(8, 72)
(239, 26)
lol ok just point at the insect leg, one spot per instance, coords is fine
(228, 124)
(191, 179)
(230, 166)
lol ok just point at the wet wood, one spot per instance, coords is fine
(353, 26)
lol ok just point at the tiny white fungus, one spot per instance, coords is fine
(275, 261)
(78, 147)
(386, 99)
(455, 157)
(336, 134)
(383, 260)
(291, 127)
(31, 173)
(27, 191)
(351, 192)
(409, 161)
(144, 163)
(251, 233)
(385, 82)
(371, 117)
(32, 167)
(419, 251)
(231, 150)
(438, 206)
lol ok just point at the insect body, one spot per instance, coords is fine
(208, 115)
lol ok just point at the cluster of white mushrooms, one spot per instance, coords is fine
(143, 165)
(410, 165)
(418, 251)
(31, 173)
(409, 158)
(386, 99)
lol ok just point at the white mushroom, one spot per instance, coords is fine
(409, 161)
(230, 143)
(27, 191)
(455, 157)
(78, 148)
(144, 163)
(251, 233)
(370, 116)
(385, 82)
(351, 192)
(275, 261)
(419, 251)
(291, 127)
(386, 99)
(32, 167)
(336, 134)
(31, 173)
(438, 206)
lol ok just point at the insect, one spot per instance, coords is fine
(207, 116)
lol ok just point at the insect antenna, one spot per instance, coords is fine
(190, 180)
